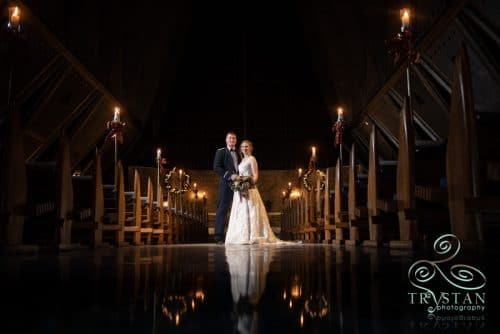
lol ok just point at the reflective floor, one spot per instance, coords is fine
(246, 289)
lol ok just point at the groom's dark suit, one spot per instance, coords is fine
(225, 165)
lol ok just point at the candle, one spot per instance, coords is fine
(180, 172)
(116, 118)
(300, 172)
(284, 193)
(158, 154)
(289, 184)
(195, 185)
(340, 113)
(15, 17)
(405, 19)
(314, 151)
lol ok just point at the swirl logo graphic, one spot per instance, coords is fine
(462, 277)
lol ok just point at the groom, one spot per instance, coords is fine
(226, 166)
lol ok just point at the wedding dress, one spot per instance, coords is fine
(248, 221)
(248, 267)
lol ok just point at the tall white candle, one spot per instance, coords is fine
(340, 114)
(405, 19)
(116, 118)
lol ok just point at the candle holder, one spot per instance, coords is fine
(14, 19)
(195, 190)
(115, 133)
(338, 131)
(403, 42)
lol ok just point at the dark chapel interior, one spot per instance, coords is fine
(376, 129)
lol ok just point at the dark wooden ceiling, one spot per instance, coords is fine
(185, 72)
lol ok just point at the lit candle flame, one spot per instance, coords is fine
(405, 18)
(117, 115)
(314, 151)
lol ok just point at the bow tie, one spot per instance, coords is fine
(232, 150)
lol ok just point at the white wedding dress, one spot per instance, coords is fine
(248, 222)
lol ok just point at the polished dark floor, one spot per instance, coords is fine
(217, 289)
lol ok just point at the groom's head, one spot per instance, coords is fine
(231, 139)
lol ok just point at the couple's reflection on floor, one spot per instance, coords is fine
(248, 267)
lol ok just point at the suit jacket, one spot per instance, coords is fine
(223, 164)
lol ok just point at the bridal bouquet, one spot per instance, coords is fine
(241, 185)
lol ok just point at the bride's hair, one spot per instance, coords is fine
(250, 146)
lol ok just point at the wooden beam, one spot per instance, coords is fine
(38, 80)
(398, 101)
(372, 191)
(437, 30)
(486, 57)
(40, 29)
(462, 162)
(84, 104)
(431, 89)
(351, 197)
(405, 173)
(53, 41)
(48, 94)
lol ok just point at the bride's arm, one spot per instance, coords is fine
(255, 169)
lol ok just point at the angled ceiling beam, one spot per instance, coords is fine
(39, 79)
(436, 31)
(384, 130)
(84, 122)
(40, 29)
(481, 50)
(433, 71)
(48, 94)
(88, 102)
(430, 87)
(397, 100)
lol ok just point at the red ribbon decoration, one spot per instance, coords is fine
(338, 129)
(115, 129)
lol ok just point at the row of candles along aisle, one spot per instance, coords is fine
(159, 161)
(396, 45)
(290, 192)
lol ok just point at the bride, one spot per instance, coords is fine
(248, 221)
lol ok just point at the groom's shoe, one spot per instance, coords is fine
(218, 240)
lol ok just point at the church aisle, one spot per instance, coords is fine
(249, 289)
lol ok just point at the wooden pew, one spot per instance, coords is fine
(380, 206)
(147, 215)
(329, 223)
(50, 201)
(114, 211)
(88, 206)
(84, 225)
(358, 220)
(405, 179)
(340, 213)
(133, 213)
(41, 223)
(98, 200)
(13, 184)
(159, 216)
(466, 200)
